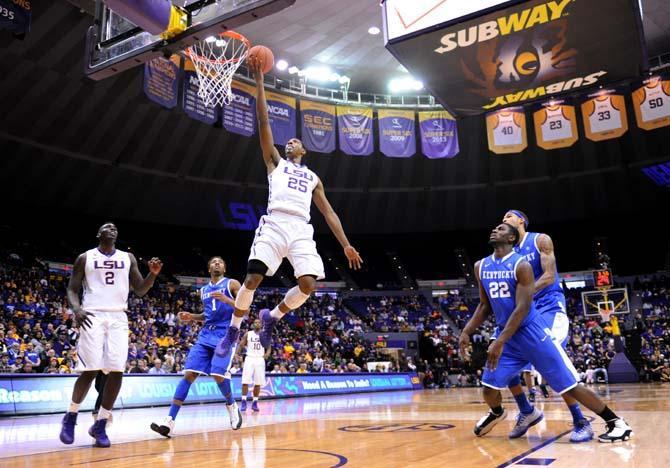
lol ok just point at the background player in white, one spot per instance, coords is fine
(285, 231)
(107, 274)
(253, 371)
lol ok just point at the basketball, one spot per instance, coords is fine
(264, 55)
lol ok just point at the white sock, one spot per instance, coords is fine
(104, 413)
(244, 398)
(236, 321)
(276, 313)
(256, 399)
(74, 407)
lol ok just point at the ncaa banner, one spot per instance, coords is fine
(15, 15)
(240, 115)
(439, 136)
(604, 116)
(161, 81)
(397, 138)
(512, 53)
(282, 110)
(652, 103)
(506, 131)
(193, 106)
(355, 125)
(318, 126)
(555, 126)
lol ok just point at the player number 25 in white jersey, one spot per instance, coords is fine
(291, 187)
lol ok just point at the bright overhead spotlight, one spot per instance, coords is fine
(220, 43)
(293, 70)
(334, 77)
(210, 39)
(282, 65)
(318, 73)
(417, 85)
(344, 79)
(399, 85)
(374, 30)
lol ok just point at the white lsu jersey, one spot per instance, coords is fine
(656, 103)
(290, 190)
(507, 131)
(106, 281)
(605, 116)
(556, 125)
(254, 346)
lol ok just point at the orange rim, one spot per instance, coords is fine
(230, 34)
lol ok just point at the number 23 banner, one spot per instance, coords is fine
(555, 126)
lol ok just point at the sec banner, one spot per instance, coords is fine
(355, 130)
(555, 126)
(282, 110)
(604, 116)
(240, 115)
(439, 136)
(397, 138)
(318, 126)
(506, 131)
(652, 104)
(523, 51)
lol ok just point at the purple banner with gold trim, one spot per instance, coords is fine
(397, 138)
(355, 130)
(318, 126)
(439, 136)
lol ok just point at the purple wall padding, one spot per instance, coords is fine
(151, 15)
(621, 370)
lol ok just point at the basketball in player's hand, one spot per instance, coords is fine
(263, 56)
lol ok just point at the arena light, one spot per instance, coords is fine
(293, 70)
(399, 85)
(281, 65)
(317, 73)
(374, 30)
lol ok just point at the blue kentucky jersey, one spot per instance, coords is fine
(498, 278)
(217, 313)
(529, 250)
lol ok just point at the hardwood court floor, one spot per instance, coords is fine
(395, 429)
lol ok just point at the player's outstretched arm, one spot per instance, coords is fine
(270, 153)
(548, 261)
(142, 285)
(81, 317)
(335, 225)
(234, 288)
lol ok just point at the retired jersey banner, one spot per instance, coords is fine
(15, 16)
(161, 81)
(439, 136)
(282, 110)
(397, 138)
(506, 131)
(604, 116)
(355, 125)
(652, 104)
(193, 106)
(510, 53)
(318, 126)
(240, 115)
(555, 126)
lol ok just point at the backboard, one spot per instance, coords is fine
(114, 44)
(612, 302)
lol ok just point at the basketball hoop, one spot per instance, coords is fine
(216, 60)
(605, 311)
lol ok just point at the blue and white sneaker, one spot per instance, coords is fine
(67, 428)
(583, 432)
(267, 325)
(97, 431)
(235, 416)
(226, 344)
(525, 422)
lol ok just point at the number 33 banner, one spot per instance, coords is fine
(604, 116)
(555, 126)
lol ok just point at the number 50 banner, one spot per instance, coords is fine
(439, 136)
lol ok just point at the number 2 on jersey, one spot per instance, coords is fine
(500, 289)
(109, 277)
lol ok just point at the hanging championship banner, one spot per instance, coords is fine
(240, 115)
(318, 126)
(193, 106)
(604, 116)
(15, 16)
(506, 130)
(652, 104)
(397, 138)
(439, 136)
(355, 125)
(282, 110)
(161, 81)
(555, 126)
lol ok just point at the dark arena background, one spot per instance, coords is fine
(426, 122)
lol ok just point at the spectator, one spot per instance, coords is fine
(157, 368)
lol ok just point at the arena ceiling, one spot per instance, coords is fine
(103, 148)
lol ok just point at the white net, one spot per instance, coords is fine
(215, 60)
